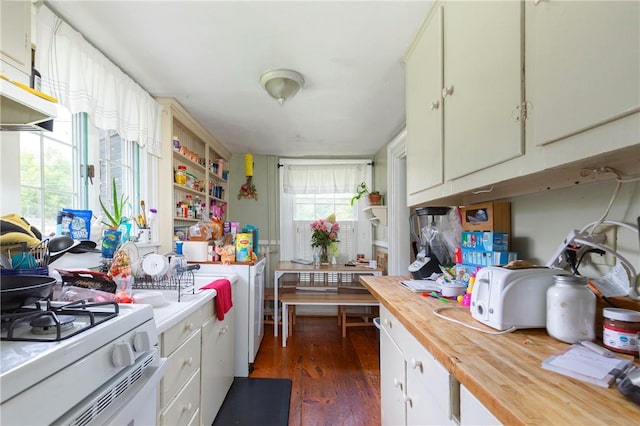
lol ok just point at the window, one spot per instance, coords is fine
(52, 165)
(48, 183)
(314, 189)
(310, 207)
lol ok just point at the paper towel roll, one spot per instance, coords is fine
(196, 251)
(248, 165)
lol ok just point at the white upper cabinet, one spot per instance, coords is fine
(533, 93)
(15, 17)
(482, 90)
(583, 65)
(424, 109)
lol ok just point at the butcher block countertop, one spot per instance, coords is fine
(503, 371)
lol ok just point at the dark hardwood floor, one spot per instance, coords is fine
(335, 380)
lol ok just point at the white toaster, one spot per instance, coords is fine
(504, 298)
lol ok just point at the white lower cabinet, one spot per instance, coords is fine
(392, 381)
(216, 371)
(199, 351)
(472, 412)
(415, 388)
(183, 408)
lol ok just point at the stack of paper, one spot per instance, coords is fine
(421, 285)
(584, 364)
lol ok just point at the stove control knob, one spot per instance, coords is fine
(122, 355)
(142, 342)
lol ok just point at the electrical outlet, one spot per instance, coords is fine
(610, 234)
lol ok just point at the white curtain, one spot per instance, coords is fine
(84, 80)
(328, 178)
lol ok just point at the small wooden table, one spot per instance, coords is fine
(285, 267)
(323, 299)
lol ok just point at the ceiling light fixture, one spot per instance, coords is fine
(282, 84)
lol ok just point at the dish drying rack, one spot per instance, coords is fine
(180, 279)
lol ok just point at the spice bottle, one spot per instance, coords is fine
(571, 309)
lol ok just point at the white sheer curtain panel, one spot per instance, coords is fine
(84, 80)
(323, 178)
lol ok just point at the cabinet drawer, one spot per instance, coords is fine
(180, 332)
(180, 367)
(185, 405)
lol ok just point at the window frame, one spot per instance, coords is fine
(288, 225)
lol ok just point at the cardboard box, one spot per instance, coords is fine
(487, 258)
(485, 241)
(464, 272)
(491, 217)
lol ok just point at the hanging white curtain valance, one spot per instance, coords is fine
(84, 80)
(329, 178)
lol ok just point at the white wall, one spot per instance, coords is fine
(539, 222)
(9, 172)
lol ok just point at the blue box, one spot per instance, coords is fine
(485, 241)
(487, 258)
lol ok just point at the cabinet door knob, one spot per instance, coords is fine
(223, 330)
(187, 407)
(434, 105)
(447, 92)
(188, 361)
(386, 322)
(415, 364)
(188, 326)
(397, 383)
(407, 399)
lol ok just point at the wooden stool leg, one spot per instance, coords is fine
(344, 322)
(340, 308)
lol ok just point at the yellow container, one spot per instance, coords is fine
(244, 247)
(181, 175)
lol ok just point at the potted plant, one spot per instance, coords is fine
(375, 198)
(113, 218)
(361, 190)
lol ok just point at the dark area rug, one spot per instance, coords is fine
(253, 402)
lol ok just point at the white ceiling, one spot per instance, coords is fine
(209, 55)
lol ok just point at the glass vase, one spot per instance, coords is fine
(324, 255)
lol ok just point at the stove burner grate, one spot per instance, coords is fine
(49, 324)
(55, 323)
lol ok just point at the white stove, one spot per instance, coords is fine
(78, 365)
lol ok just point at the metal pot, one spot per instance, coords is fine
(20, 290)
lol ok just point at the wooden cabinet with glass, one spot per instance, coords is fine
(192, 164)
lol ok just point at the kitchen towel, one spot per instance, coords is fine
(223, 299)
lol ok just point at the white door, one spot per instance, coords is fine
(392, 382)
(583, 65)
(424, 110)
(483, 79)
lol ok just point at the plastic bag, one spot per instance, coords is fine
(80, 226)
(444, 238)
(70, 293)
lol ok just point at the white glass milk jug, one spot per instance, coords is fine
(571, 309)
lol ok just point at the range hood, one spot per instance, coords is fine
(22, 110)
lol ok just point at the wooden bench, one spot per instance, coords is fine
(342, 300)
